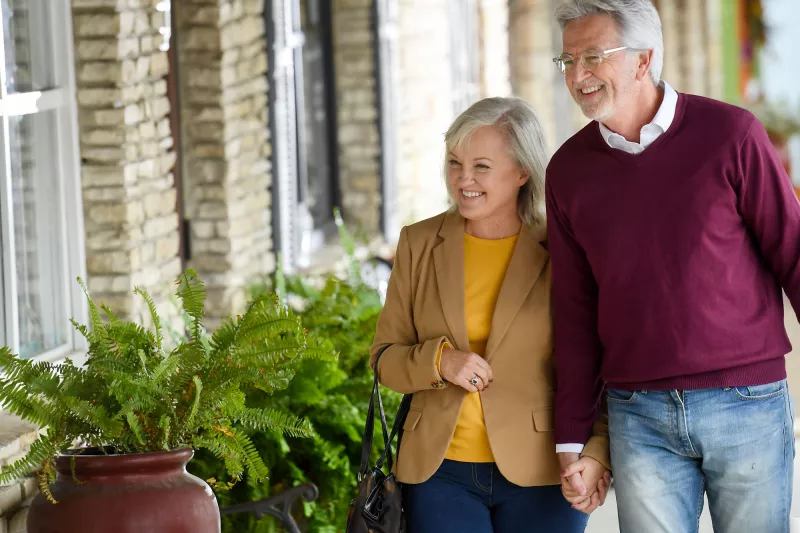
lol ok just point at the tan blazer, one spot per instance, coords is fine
(425, 306)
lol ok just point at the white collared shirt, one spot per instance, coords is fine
(650, 132)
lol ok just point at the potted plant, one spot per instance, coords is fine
(136, 411)
(781, 125)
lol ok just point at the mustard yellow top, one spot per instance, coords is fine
(485, 265)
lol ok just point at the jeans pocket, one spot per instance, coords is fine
(760, 392)
(621, 396)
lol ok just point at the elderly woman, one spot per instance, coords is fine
(467, 329)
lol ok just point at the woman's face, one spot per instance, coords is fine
(483, 178)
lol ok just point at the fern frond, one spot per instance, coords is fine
(41, 449)
(256, 468)
(272, 419)
(112, 318)
(220, 445)
(320, 349)
(192, 293)
(198, 389)
(166, 368)
(94, 315)
(271, 353)
(80, 328)
(136, 426)
(225, 336)
(165, 425)
(151, 305)
(263, 322)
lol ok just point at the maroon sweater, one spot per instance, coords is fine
(668, 265)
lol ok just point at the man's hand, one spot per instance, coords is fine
(584, 482)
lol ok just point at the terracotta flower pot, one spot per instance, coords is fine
(149, 492)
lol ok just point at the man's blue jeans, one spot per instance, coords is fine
(669, 447)
(476, 498)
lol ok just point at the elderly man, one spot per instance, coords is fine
(672, 230)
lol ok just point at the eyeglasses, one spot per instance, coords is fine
(590, 59)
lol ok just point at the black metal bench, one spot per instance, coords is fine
(279, 505)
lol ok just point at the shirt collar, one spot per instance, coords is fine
(664, 116)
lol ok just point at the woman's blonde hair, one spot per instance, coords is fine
(526, 142)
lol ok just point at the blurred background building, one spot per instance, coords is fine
(140, 137)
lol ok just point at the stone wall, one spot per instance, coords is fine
(493, 28)
(671, 29)
(426, 106)
(357, 113)
(693, 51)
(16, 437)
(533, 33)
(225, 146)
(127, 153)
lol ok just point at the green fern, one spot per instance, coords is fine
(133, 396)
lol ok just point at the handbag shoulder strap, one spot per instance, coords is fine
(369, 427)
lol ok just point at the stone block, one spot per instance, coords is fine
(202, 229)
(108, 194)
(202, 16)
(113, 262)
(98, 97)
(104, 24)
(10, 497)
(204, 78)
(111, 49)
(159, 203)
(160, 226)
(103, 176)
(167, 248)
(18, 522)
(103, 136)
(159, 65)
(131, 212)
(201, 39)
(148, 44)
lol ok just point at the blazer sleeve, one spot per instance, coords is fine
(408, 365)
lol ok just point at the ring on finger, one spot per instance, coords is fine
(475, 380)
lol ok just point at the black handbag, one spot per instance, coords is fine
(378, 505)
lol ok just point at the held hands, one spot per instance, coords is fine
(584, 481)
(459, 368)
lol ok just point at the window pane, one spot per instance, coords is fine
(36, 195)
(28, 43)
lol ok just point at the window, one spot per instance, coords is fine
(464, 54)
(302, 123)
(41, 228)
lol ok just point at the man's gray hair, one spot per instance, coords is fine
(638, 21)
(527, 145)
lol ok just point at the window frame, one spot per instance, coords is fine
(59, 99)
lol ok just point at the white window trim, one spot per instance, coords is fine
(61, 100)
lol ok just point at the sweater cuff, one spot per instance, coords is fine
(571, 447)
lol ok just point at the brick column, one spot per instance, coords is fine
(426, 106)
(533, 76)
(495, 73)
(671, 29)
(225, 138)
(357, 113)
(126, 148)
(694, 70)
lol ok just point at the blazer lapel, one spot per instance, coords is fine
(527, 262)
(448, 262)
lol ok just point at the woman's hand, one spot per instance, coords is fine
(459, 368)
